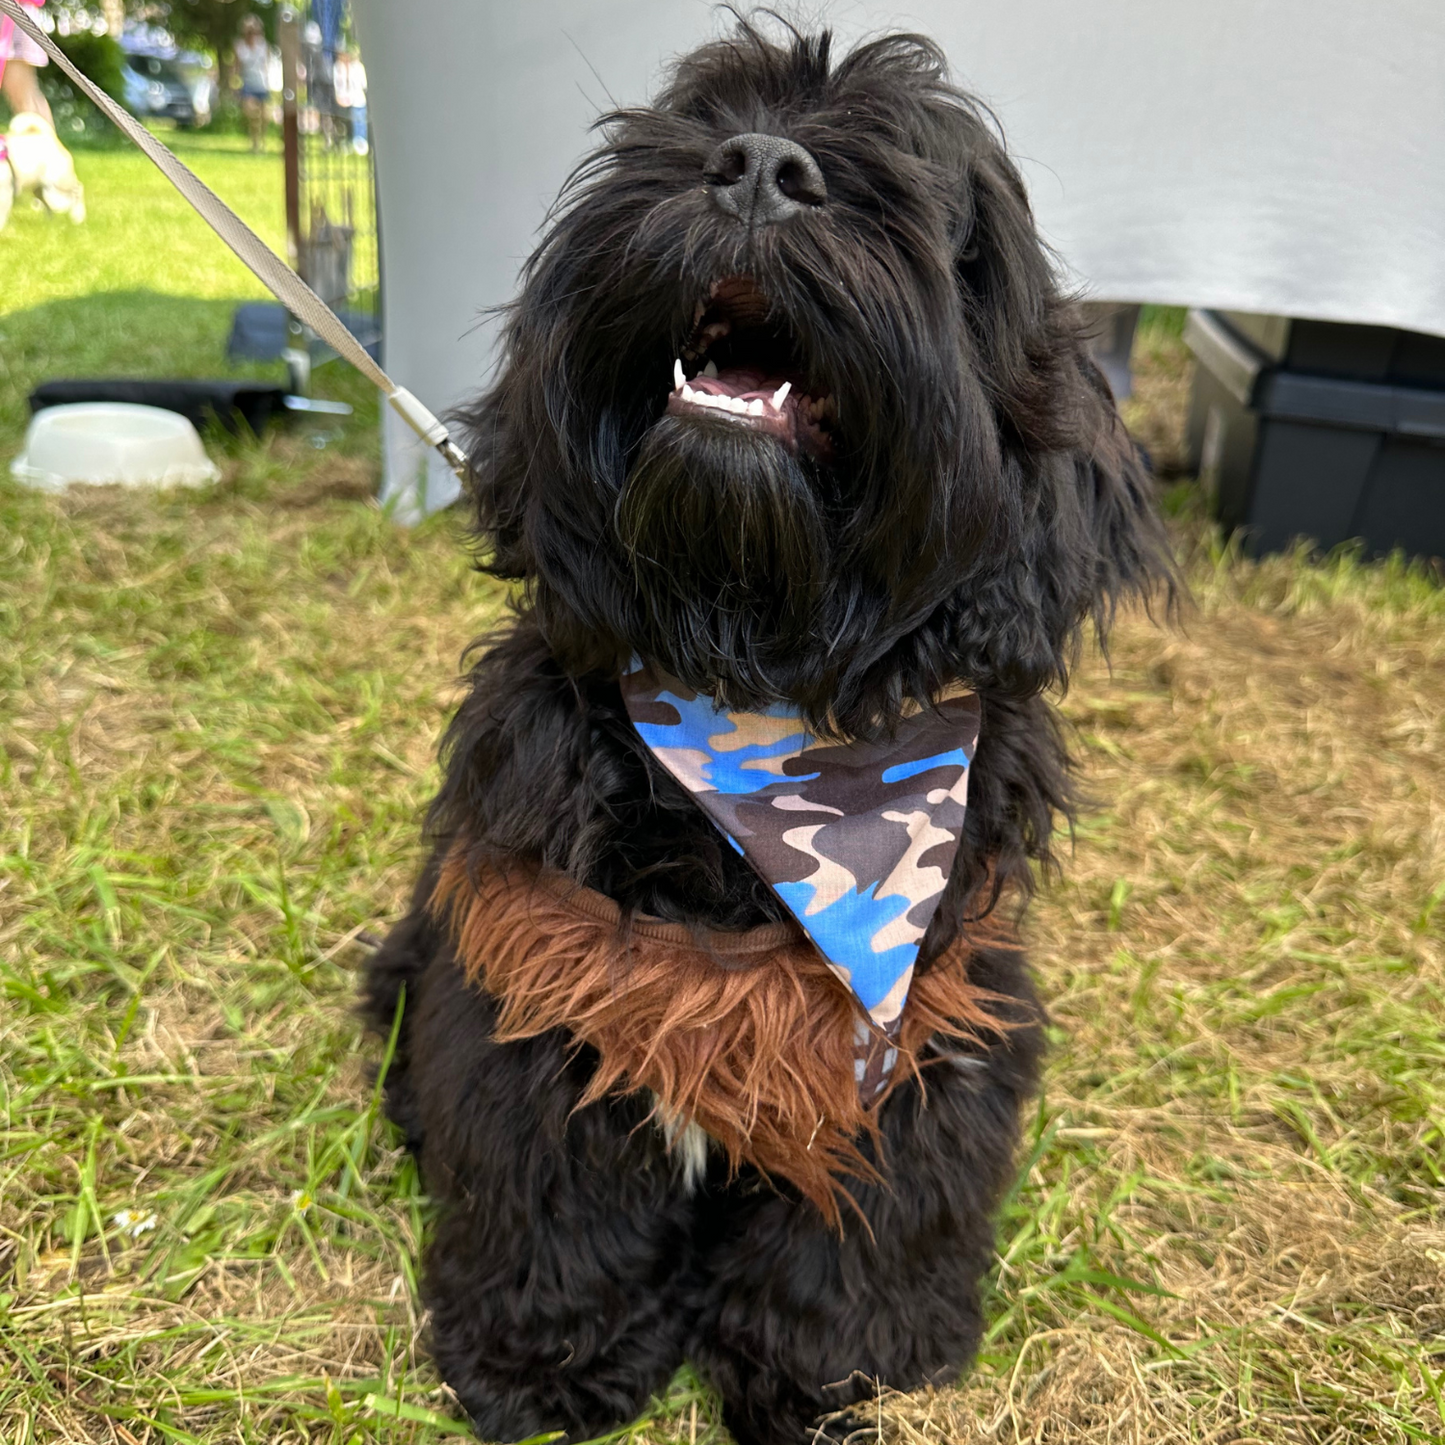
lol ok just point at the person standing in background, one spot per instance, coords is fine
(348, 79)
(20, 59)
(252, 62)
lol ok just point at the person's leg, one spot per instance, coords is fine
(21, 88)
(254, 110)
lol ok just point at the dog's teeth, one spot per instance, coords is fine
(679, 381)
(710, 370)
(781, 395)
(735, 405)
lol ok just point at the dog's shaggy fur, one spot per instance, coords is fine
(746, 1035)
(953, 500)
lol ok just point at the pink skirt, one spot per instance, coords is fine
(16, 45)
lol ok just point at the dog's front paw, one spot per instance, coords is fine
(503, 1416)
(505, 1408)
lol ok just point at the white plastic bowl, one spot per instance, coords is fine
(111, 442)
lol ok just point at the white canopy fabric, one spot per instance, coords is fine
(1280, 156)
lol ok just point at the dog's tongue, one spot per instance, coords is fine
(745, 382)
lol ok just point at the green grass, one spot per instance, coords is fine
(141, 234)
(143, 287)
(224, 911)
(218, 715)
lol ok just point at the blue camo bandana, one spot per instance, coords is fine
(857, 839)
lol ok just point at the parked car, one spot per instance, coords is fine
(155, 87)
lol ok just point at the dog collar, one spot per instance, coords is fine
(857, 839)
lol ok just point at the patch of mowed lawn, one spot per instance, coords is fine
(218, 714)
(143, 287)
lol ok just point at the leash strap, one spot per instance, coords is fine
(269, 268)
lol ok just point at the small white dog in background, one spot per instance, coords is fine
(33, 162)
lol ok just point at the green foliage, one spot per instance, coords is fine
(213, 25)
(98, 57)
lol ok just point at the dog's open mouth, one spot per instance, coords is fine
(741, 365)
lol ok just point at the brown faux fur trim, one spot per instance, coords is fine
(750, 1034)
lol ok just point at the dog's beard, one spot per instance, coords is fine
(728, 544)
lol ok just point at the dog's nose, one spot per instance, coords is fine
(761, 179)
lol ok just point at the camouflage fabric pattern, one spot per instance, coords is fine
(857, 839)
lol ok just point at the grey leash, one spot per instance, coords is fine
(273, 272)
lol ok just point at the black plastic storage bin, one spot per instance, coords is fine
(1320, 430)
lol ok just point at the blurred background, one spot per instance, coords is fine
(220, 704)
(268, 105)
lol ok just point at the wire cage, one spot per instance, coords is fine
(330, 181)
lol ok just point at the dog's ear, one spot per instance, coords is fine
(1078, 528)
(512, 439)
(1005, 277)
(1117, 495)
(496, 476)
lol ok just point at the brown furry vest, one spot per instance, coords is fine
(749, 1035)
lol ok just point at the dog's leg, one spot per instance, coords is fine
(554, 1275)
(392, 980)
(798, 1323)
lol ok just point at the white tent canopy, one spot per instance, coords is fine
(1284, 157)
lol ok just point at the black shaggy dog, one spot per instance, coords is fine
(943, 494)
